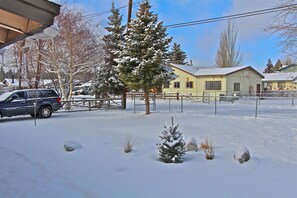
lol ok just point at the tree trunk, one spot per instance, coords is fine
(147, 103)
(124, 102)
(39, 65)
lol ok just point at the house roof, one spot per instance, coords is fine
(212, 71)
(285, 67)
(280, 76)
(22, 18)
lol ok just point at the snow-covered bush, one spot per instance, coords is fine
(191, 144)
(242, 155)
(172, 146)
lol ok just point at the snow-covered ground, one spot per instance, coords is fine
(34, 163)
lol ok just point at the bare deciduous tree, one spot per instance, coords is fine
(285, 26)
(227, 54)
(74, 52)
(287, 61)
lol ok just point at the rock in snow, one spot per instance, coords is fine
(242, 155)
(191, 144)
(71, 146)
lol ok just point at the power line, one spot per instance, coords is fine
(233, 16)
(88, 16)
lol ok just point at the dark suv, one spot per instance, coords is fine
(22, 102)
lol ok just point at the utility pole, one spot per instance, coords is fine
(129, 11)
(124, 105)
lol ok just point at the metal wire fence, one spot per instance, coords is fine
(279, 107)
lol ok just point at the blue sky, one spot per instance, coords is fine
(201, 42)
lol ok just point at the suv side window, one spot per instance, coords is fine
(48, 93)
(33, 94)
(21, 95)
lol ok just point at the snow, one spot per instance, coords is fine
(56, 1)
(204, 71)
(35, 164)
(285, 76)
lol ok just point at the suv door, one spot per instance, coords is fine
(33, 96)
(16, 104)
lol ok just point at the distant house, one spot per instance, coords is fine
(280, 81)
(197, 81)
(289, 68)
(14, 84)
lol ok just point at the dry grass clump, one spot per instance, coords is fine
(208, 149)
(204, 144)
(209, 153)
(128, 144)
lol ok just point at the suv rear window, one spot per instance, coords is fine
(48, 93)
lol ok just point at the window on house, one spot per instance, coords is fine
(176, 85)
(267, 86)
(281, 85)
(213, 85)
(236, 86)
(189, 84)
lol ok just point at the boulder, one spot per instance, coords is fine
(71, 146)
(242, 155)
(191, 144)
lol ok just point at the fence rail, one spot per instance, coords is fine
(92, 104)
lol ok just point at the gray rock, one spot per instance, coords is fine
(191, 145)
(242, 155)
(71, 146)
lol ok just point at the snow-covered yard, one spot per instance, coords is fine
(34, 163)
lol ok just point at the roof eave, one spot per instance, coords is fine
(22, 18)
(250, 67)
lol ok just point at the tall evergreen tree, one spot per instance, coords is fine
(278, 65)
(144, 51)
(177, 55)
(269, 67)
(106, 80)
(9, 74)
(2, 74)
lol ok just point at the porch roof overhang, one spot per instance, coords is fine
(22, 18)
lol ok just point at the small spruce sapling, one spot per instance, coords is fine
(172, 146)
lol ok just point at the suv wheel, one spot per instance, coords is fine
(45, 112)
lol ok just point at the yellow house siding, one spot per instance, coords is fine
(274, 85)
(248, 80)
(202, 88)
(183, 77)
(246, 77)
